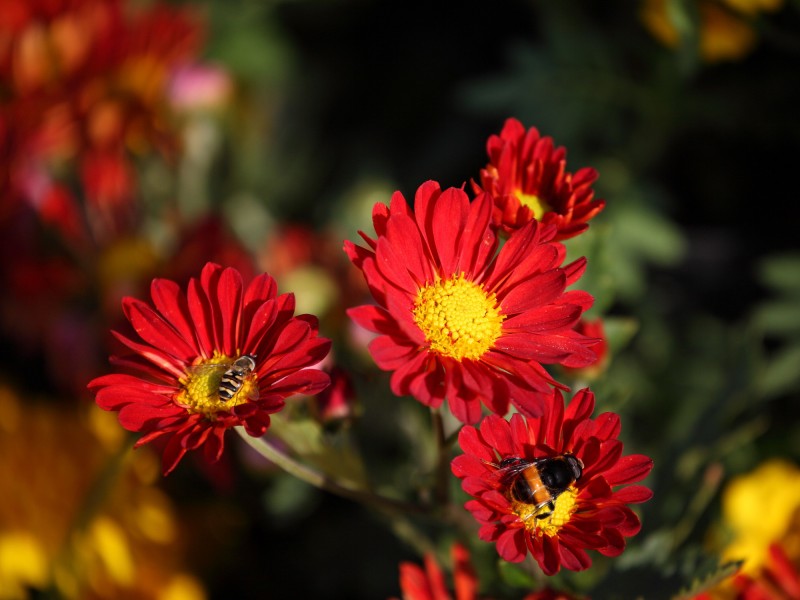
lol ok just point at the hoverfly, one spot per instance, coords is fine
(233, 377)
(538, 481)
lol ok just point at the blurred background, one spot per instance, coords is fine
(142, 139)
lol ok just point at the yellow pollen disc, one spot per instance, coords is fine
(565, 506)
(200, 386)
(536, 204)
(459, 319)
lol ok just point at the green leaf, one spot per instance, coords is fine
(649, 235)
(781, 373)
(335, 455)
(780, 318)
(781, 272)
(619, 331)
(709, 581)
(289, 499)
(515, 576)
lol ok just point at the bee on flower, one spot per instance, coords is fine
(218, 356)
(576, 506)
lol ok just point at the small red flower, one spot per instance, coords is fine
(417, 583)
(429, 584)
(459, 320)
(336, 405)
(527, 178)
(189, 344)
(593, 328)
(588, 515)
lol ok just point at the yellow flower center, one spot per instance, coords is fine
(459, 319)
(537, 205)
(200, 387)
(564, 507)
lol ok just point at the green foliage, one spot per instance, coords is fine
(704, 582)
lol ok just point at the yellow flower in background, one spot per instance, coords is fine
(760, 508)
(724, 30)
(127, 546)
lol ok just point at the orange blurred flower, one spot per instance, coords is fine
(130, 546)
(725, 30)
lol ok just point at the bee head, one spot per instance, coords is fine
(575, 463)
(246, 361)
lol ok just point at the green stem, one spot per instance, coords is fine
(323, 482)
(442, 463)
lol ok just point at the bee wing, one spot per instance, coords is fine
(207, 368)
(213, 372)
(503, 474)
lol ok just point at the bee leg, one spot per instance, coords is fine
(550, 508)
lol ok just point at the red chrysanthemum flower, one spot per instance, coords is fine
(417, 583)
(588, 515)
(527, 178)
(458, 320)
(189, 345)
(87, 86)
(429, 583)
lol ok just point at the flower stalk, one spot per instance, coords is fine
(322, 481)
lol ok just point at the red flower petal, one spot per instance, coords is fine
(497, 434)
(511, 545)
(171, 303)
(629, 469)
(600, 519)
(633, 494)
(230, 306)
(573, 557)
(539, 291)
(208, 322)
(389, 354)
(447, 237)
